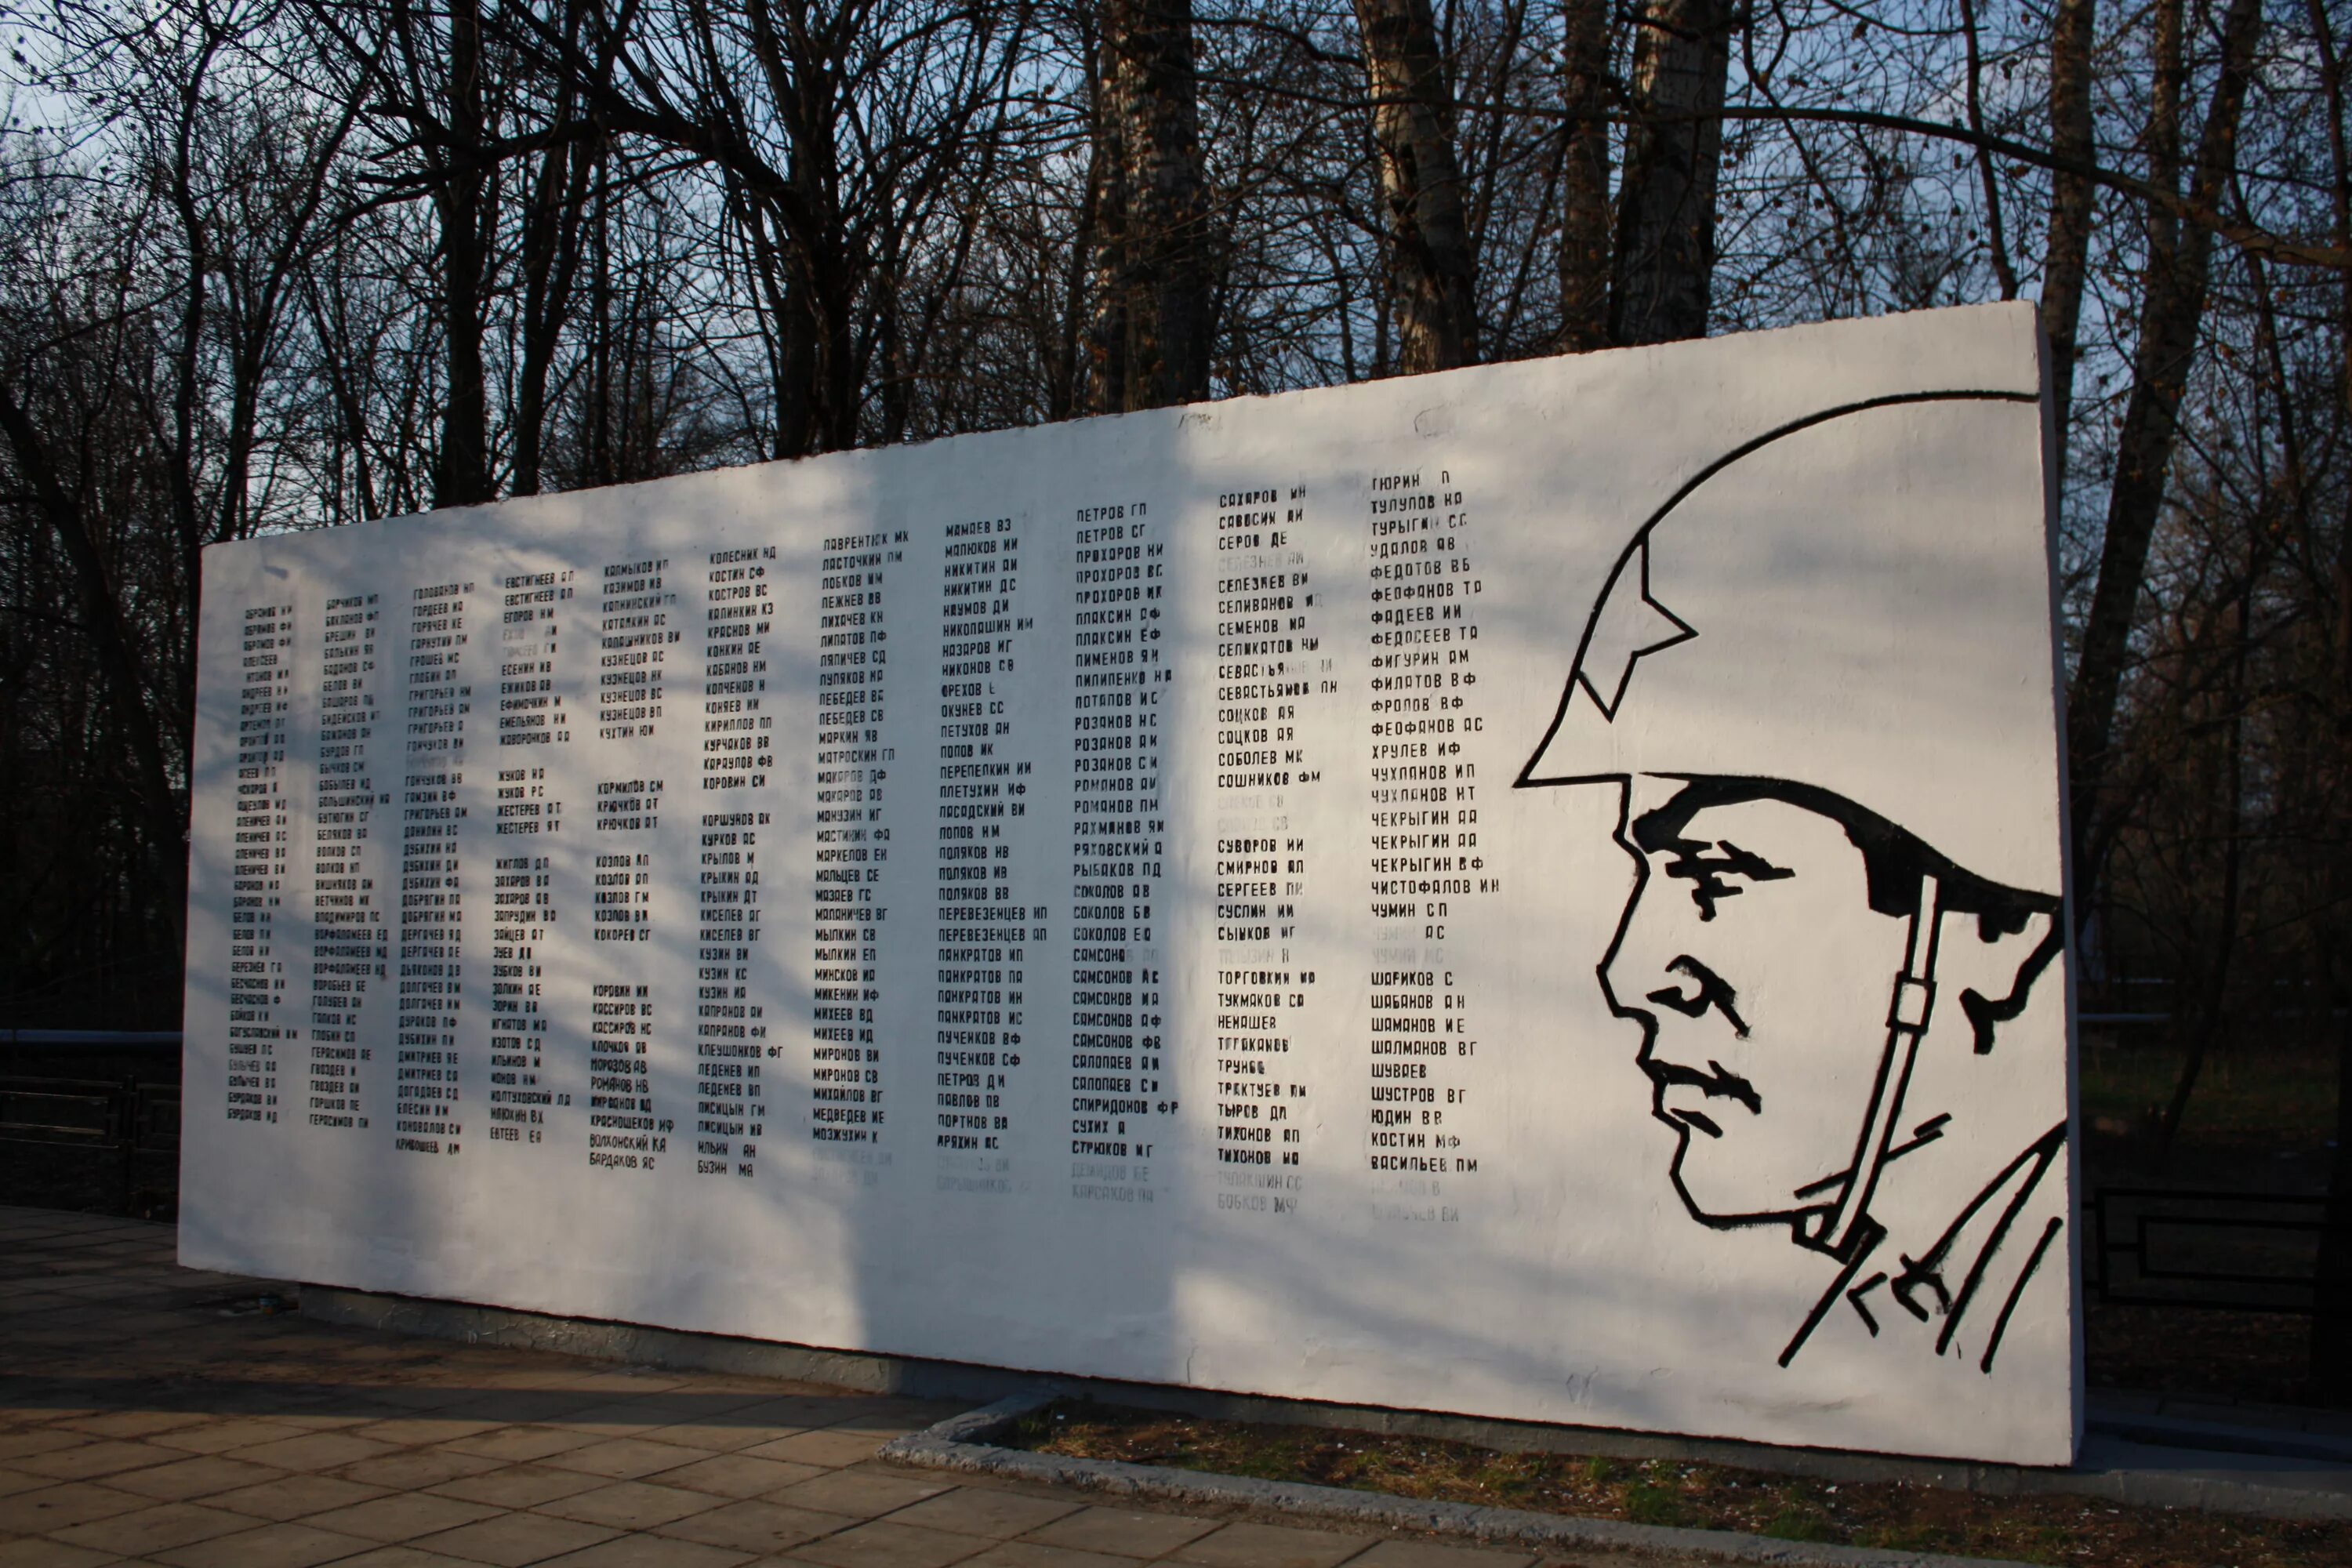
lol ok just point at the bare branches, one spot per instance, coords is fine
(2290, 250)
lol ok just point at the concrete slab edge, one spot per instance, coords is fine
(967, 1444)
(637, 1344)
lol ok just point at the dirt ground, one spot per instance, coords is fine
(2050, 1530)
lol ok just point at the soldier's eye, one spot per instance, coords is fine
(1719, 870)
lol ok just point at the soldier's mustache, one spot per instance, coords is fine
(1717, 1082)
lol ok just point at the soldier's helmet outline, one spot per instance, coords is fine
(1861, 721)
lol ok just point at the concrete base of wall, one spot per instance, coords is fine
(2124, 1461)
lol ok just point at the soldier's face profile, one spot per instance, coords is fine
(1760, 977)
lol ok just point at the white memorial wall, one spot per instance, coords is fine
(1532, 891)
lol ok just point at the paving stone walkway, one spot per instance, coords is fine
(153, 1413)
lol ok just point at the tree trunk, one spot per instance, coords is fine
(187, 390)
(461, 475)
(2213, 956)
(1106, 210)
(1665, 214)
(2067, 260)
(1996, 236)
(1069, 342)
(546, 283)
(1168, 264)
(838, 348)
(2172, 309)
(594, 442)
(1412, 127)
(551, 260)
(1584, 260)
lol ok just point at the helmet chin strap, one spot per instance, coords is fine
(1914, 1000)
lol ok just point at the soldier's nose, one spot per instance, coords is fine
(1634, 963)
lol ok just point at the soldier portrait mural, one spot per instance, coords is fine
(1789, 953)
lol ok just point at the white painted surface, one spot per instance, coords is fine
(1867, 600)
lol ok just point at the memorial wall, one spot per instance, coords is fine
(1533, 891)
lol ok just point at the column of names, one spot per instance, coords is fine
(1118, 1097)
(1424, 795)
(348, 944)
(633, 607)
(984, 930)
(430, 982)
(738, 750)
(260, 869)
(852, 841)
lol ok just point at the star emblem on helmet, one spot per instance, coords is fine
(1627, 626)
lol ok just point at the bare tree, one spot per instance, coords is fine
(561, 176)
(1584, 217)
(1664, 263)
(2172, 309)
(1412, 125)
(440, 96)
(2067, 255)
(1155, 225)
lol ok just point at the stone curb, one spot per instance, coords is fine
(966, 1443)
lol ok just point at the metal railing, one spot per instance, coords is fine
(107, 1039)
(2158, 1246)
(128, 1113)
(129, 1117)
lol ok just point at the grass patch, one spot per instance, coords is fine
(2051, 1530)
(1798, 1524)
(1647, 1502)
